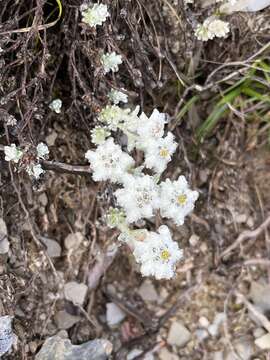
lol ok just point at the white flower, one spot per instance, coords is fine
(113, 116)
(157, 254)
(203, 33)
(212, 27)
(219, 28)
(12, 153)
(158, 153)
(95, 15)
(152, 128)
(56, 105)
(109, 162)
(110, 62)
(99, 135)
(138, 198)
(117, 96)
(176, 199)
(35, 170)
(188, 1)
(42, 150)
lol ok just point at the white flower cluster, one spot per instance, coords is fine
(141, 195)
(212, 27)
(29, 162)
(94, 15)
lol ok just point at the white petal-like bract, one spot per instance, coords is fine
(176, 199)
(157, 254)
(109, 162)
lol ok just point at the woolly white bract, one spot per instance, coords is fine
(35, 171)
(56, 105)
(99, 135)
(12, 153)
(176, 199)
(110, 62)
(117, 96)
(212, 27)
(42, 150)
(30, 162)
(159, 152)
(157, 253)
(109, 162)
(95, 15)
(139, 197)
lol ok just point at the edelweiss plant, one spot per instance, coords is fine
(140, 194)
(27, 159)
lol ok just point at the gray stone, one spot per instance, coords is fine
(260, 296)
(58, 348)
(148, 292)
(178, 334)
(52, 246)
(73, 240)
(263, 342)
(65, 321)
(114, 315)
(75, 292)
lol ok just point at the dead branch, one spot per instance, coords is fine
(246, 235)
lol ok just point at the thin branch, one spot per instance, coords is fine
(62, 167)
(246, 235)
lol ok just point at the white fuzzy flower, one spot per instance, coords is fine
(138, 198)
(109, 162)
(99, 135)
(56, 105)
(212, 27)
(12, 153)
(113, 116)
(176, 199)
(42, 150)
(117, 96)
(219, 28)
(159, 152)
(151, 128)
(110, 62)
(35, 171)
(203, 33)
(95, 15)
(157, 254)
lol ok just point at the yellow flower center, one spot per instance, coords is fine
(163, 153)
(182, 199)
(165, 255)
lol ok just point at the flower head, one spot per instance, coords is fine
(159, 152)
(176, 199)
(219, 28)
(152, 128)
(109, 162)
(56, 105)
(212, 27)
(35, 170)
(203, 33)
(113, 116)
(99, 134)
(95, 15)
(117, 96)
(110, 62)
(157, 254)
(138, 198)
(42, 150)
(12, 153)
